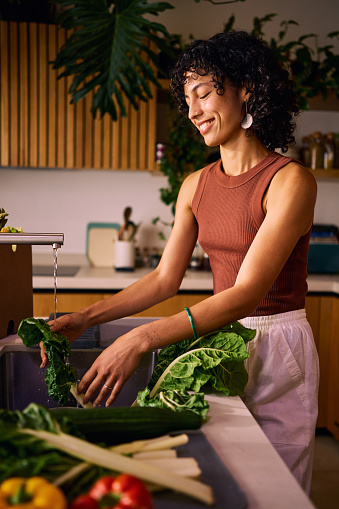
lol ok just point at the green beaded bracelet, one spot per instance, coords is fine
(192, 323)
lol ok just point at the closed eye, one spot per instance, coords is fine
(204, 96)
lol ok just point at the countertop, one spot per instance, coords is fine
(88, 278)
(245, 451)
(250, 457)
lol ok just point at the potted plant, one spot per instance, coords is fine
(315, 69)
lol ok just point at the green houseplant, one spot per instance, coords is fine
(104, 51)
(184, 153)
(315, 69)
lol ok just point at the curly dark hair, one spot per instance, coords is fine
(244, 61)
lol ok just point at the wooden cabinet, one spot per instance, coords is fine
(67, 302)
(43, 302)
(323, 315)
(38, 125)
(333, 367)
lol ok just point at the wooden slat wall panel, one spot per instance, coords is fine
(33, 92)
(23, 95)
(42, 98)
(38, 125)
(61, 97)
(4, 94)
(52, 103)
(13, 99)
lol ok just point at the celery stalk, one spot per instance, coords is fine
(94, 454)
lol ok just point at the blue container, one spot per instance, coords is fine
(323, 259)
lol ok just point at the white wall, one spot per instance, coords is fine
(203, 19)
(66, 200)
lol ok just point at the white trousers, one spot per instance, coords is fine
(282, 390)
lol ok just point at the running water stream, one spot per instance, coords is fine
(55, 273)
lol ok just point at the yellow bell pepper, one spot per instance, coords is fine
(32, 493)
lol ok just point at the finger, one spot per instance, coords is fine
(114, 394)
(104, 392)
(43, 355)
(55, 325)
(91, 388)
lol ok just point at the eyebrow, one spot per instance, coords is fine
(199, 85)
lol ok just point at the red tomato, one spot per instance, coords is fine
(101, 487)
(123, 492)
(133, 493)
(84, 502)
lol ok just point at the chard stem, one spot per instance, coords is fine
(96, 455)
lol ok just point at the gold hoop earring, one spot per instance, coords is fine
(247, 121)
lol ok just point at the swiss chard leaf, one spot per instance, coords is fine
(24, 455)
(214, 360)
(34, 416)
(175, 400)
(60, 375)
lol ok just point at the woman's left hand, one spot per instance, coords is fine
(112, 369)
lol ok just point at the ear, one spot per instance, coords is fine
(248, 88)
(244, 94)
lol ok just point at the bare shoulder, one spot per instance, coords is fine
(189, 186)
(295, 176)
(193, 178)
(292, 195)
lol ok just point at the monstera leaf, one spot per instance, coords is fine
(103, 51)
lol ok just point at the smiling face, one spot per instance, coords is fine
(216, 116)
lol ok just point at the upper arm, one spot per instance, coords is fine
(289, 207)
(183, 237)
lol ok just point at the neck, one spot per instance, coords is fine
(239, 160)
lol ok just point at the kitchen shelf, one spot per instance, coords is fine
(325, 174)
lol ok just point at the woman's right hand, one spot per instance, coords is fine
(71, 325)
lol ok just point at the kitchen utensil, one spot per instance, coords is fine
(124, 226)
(132, 230)
(100, 243)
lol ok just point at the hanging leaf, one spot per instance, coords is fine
(103, 51)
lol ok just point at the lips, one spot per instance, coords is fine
(204, 126)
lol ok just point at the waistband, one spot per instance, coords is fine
(264, 322)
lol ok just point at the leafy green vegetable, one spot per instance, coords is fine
(25, 455)
(3, 216)
(60, 375)
(215, 360)
(177, 400)
(55, 438)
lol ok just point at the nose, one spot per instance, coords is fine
(194, 110)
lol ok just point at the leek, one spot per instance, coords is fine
(96, 455)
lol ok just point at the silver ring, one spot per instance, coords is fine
(109, 388)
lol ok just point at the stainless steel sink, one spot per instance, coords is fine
(62, 270)
(22, 380)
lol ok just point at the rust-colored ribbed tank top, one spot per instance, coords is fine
(228, 210)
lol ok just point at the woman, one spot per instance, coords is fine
(252, 212)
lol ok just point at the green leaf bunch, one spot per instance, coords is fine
(103, 51)
(24, 455)
(60, 375)
(3, 217)
(214, 361)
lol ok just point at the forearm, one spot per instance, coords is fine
(144, 293)
(208, 315)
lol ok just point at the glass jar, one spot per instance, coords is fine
(317, 151)
(329, 151)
